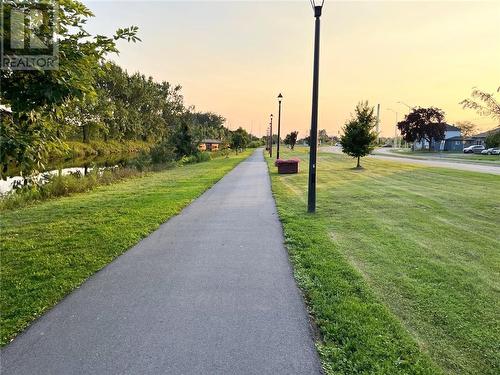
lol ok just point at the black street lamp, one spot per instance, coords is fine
(271, 136)
(280, 97)
(313, 139)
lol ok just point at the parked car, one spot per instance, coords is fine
(487, 151)
(495, 151)
(476, 149)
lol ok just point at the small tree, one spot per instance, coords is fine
(323, 136)
(239, 139)
(182, 139)
(467, 128)
(493, 139)
(291, 139)
(423, 123)
(359, 137)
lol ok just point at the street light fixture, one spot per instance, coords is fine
(406, 105)
(313, 146)
(280, 97)
(271, 136)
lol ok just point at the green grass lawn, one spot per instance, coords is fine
(400, 265)
(50, 248)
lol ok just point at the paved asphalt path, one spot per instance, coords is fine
(466, 166)
(210, 292)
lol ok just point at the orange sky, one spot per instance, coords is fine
(234, 57)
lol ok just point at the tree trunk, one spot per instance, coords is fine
(85, 133)
(359, 165)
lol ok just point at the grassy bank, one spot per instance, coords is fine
(100, 148)
(399, 265)
(49, 249)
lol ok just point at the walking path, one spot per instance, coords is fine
(210, 292)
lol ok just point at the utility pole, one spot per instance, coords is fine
(378, 123)
(271, 136)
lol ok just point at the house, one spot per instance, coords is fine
(450, 135)
(480, 139)
(209, 145)
(458, 143)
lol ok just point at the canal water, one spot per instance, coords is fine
(81, 165)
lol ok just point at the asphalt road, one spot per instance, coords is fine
(466, 166)
(210, 292)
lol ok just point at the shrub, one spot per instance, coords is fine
(142, 161)
(255, 144)
(493, 140)
(162, 153)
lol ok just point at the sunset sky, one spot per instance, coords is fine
(234, 57)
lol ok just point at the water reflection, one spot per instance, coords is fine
(83, 166)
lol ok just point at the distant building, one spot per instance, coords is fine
(209, 145)
(458, 143)
(451, 132)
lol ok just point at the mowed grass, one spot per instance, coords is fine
(50, 248)
(449, 156)
(400, 265)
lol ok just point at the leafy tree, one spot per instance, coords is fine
(493, 139)
(208, 125)
(486, 104)
(239, 139)
(467, 128)
(423, 124)
(323, 136)
(36, 97)
(291, 139)
(182, 139)
(359, 137)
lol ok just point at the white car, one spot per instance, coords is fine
(487, 151)
(476, 149)
(495, 151)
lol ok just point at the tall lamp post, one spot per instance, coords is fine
(280, 97)
(395, 126)
(271, 136)
(313, 146)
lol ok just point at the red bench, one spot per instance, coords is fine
(287, 166)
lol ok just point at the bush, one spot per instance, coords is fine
(142, 162)
(255, 144)
(493, 140)
(162, 153)
(197, 157)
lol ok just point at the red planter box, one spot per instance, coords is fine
(287, 166)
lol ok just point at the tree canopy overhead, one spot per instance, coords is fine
(484, 103)
(37, 97)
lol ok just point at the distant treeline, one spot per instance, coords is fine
(89, 98)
